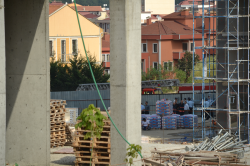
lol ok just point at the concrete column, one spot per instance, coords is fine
(125, 75)
(2, 85)
(27, 82)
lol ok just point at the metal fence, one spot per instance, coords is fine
(82, 99)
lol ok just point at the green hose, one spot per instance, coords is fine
(95, 80)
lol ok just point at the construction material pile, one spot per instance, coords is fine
(154, 120)
(164, 107)
(222, 143)
(57, 123)
(194, 158)
(187, 121)
(169, 122)
(101, 147)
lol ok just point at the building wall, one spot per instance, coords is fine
(160, 6)
(63, 25)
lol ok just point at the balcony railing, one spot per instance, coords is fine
(66, 57)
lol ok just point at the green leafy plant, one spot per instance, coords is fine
(132, 153)
(92, 120)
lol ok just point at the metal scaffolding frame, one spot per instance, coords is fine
(231, 77)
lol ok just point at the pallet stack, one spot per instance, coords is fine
(57, 123)
(101, 147)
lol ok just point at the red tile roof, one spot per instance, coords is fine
(90, 15)
(177, 15)
(166, 28)
(53, 8)
(88, 8)
(56, 3)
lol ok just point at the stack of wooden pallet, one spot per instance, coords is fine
(57, 123)
(101, 147)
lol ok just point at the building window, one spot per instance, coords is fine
(191, 46)
(142, 65)
(168, 66)
(155, 65)
(51, 48)
(63, 50)
(184, 47)
(155, 48)
(107, 71)
(144, 47)
(74, 46)
(105, 57)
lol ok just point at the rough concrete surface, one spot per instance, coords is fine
(27, 82)
(125, 80)
(2, 86)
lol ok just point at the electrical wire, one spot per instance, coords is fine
(95, 81)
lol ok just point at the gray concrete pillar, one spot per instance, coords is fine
(27, 82)
(2, 86)
(125, 75)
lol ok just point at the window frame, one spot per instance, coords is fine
(76, 45)
(154, 48)
(63, 40)
(154, 65)
(52, 48)
(168, 63)
(146, 47)
(106, 59)
(191, 47)
(187, 46)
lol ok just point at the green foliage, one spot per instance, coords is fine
(211, 69)
(88, 2)
(91, 119)
(156, 74)
(178, 1)
(186, 64)
(67, 77)
(132, 153)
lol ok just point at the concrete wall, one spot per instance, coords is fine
(2, 86)
(27, 82)
(125, 76)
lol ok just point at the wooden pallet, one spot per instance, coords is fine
(101, 152)
(57, 123)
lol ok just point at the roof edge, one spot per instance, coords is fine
(58, 9)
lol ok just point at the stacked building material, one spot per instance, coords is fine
(57, 123)
(196, 158)
(169, 122)
(187, 121)
(222, 143)
(155, 121)
(101, 147)
(68, 136)
(190, 120)
(164, 107)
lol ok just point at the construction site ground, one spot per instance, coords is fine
(175, 140)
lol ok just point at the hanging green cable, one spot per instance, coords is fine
(95, 80)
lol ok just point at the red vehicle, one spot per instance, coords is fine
(151, 91)
(188, 88)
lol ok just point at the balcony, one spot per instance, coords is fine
(178, 55)
(106, 64)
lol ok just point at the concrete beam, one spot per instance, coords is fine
(125, 76)
(27, 70)
(2, 85)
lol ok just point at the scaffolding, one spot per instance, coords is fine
(225, 66)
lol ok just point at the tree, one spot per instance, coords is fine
(67, 77)
(186, 63)
(156, 74)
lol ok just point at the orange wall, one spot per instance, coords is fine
(63, 25)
